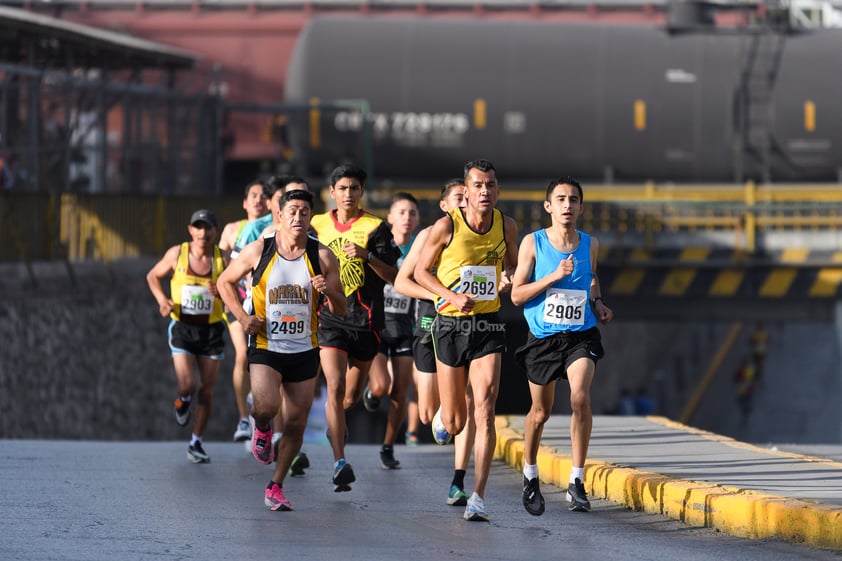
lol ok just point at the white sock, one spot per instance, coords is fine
(195, 439)
(530, 471)
(577, 473)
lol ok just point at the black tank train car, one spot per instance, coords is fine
(605, 102)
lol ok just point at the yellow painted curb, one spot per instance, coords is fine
(733, 511)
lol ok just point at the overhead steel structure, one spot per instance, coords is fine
(88, 110)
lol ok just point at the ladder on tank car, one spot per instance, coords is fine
(754, 115)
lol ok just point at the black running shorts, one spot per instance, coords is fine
(458, 340)
(361, 345)
(293, 367)
(548, 359)
(197, 340)
(423, 354)
(396, 346)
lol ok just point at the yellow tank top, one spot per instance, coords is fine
(193, 302)
(472, 263)
(282, 295)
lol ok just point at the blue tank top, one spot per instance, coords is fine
(564, 306)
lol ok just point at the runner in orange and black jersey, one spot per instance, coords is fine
(363, 286)
(367, 256)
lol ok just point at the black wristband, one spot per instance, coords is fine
(600, 298)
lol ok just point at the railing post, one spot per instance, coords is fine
(751, 218)
(649, 196)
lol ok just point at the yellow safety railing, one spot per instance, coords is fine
(73, 226)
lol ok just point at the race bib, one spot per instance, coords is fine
(196, 300)
(394, 302)
(564, 306)
(288, 321)
(480, 280)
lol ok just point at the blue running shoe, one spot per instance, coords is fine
(457, 496)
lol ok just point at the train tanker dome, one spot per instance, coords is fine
(603, 102)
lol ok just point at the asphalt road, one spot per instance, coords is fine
(71, 500)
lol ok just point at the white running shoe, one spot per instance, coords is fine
(475, 510)
(243, 431)
(440, 434)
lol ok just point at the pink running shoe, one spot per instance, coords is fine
(275, 498)
(261, 446)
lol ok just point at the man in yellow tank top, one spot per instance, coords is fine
(290, 271)
(196, 325)
(473, 252)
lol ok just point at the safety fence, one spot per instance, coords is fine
(74, 227)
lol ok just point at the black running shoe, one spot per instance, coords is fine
(387, 458)
(533, 500)
(577, 497)
(182, 411)
(343, 476)
(299, 464)
(370, 401)
(197, 454)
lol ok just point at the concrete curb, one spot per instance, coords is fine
(730, 510)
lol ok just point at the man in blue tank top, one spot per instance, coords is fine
(557, 286)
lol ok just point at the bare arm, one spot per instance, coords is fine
(381, 268)
(602, 312)
(238, 268)
(440, 235)
(227, 238)
(328, 282)
(384, 270)
(511, 257)
(158, 273)
(522, 290)
(405, 279)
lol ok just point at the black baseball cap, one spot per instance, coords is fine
(203, 215)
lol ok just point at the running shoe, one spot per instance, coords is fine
(182, 411)
(370, 401)
(577, 497)
(440, 434)
(197, 454)
(533, 500)
(243, 431)
(387, 458)
(261, 446)
(411, 439)
(457, 496)
(343, 476)
(475, 510)
(299, 463)
(275, 498)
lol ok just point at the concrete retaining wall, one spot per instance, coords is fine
(90, 360)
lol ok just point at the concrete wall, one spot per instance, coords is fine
(91, 361)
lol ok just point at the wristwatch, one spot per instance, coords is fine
(371, 256)
(600, 298)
